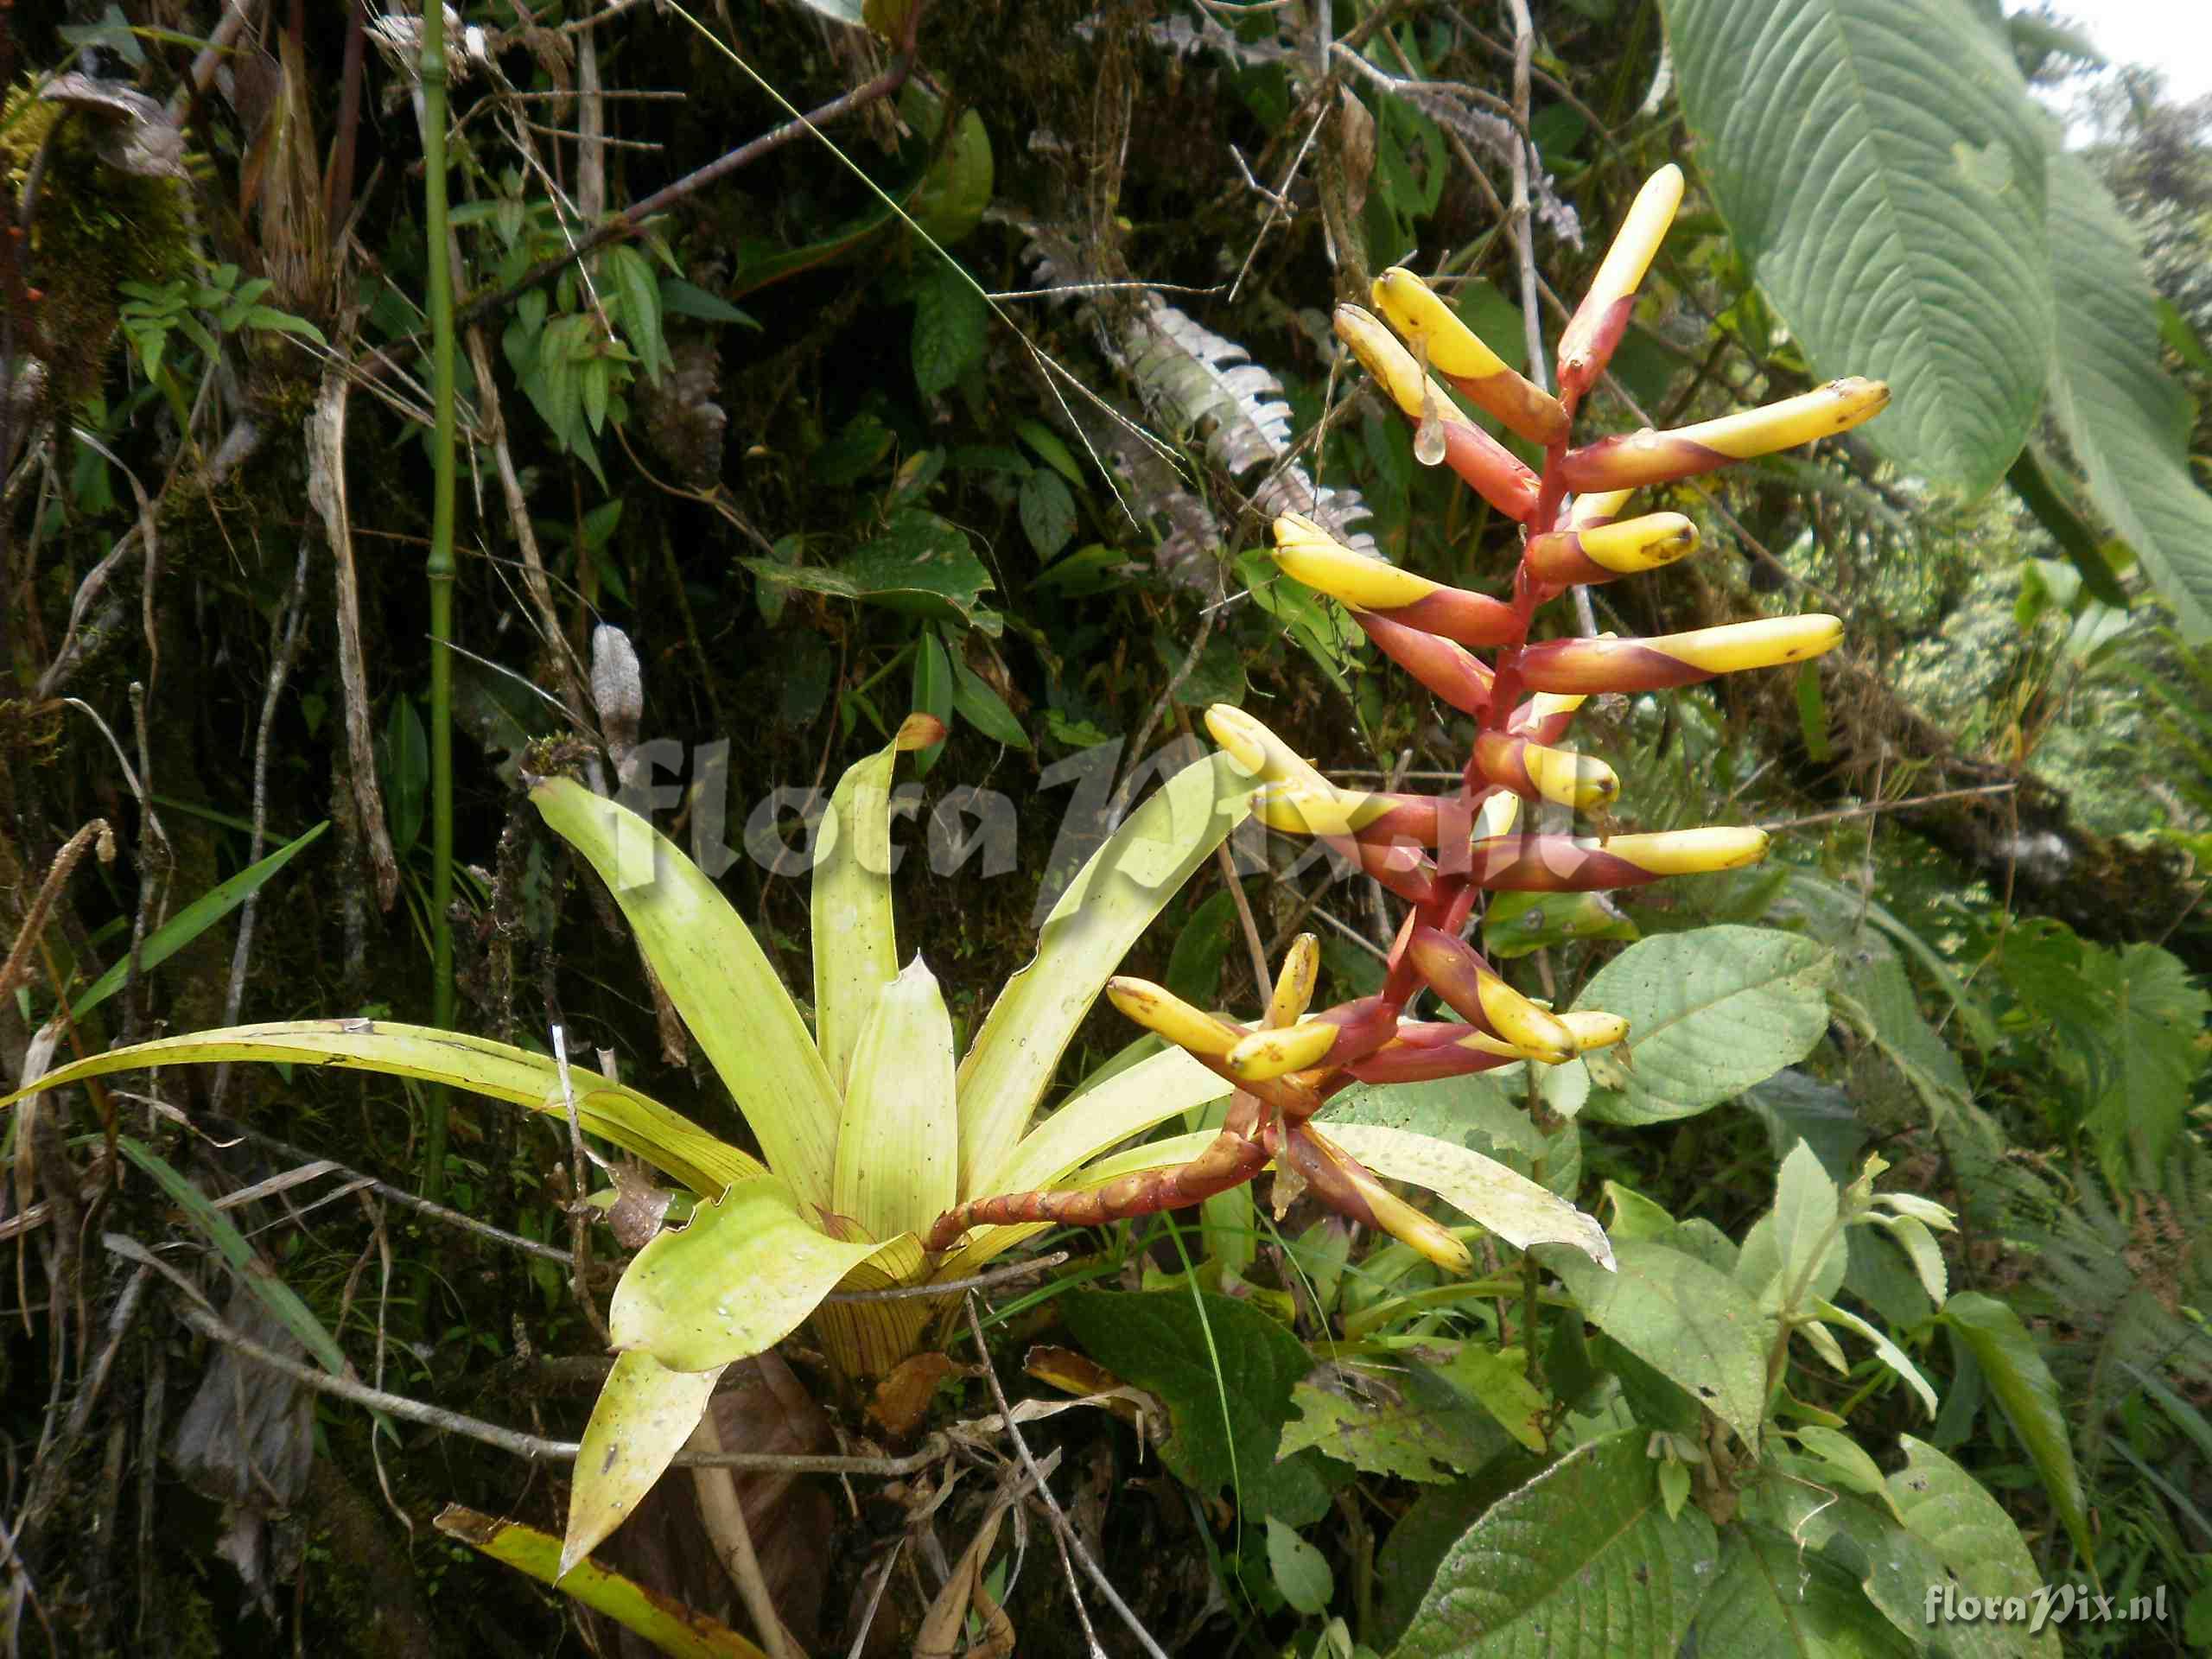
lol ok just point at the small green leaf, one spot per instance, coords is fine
(1051, 450)
(983, 709)
(1301, 1572)
(1891, 1354)
(1047, 513)
(951, 326)
(681, 299)
(192, 921)
(932, 695)
(2025, 1387)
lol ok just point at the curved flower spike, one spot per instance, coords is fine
(1601, 507)
(1562, 864)
(1631, 459)
(1310, 556)
(1157, 1008)
(1294, 982)
(1536, 772)
(1342, 1033)
(1622, 547)
(1462, 680)
(1670, 660)
(1474, 992)
(1487, 466)
(1259, 750)
(1455, 352)
(1587, 344)
(1347, 1186)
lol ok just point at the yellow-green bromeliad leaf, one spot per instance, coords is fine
(638, 1124)
(713, 972)
(897, 1144)
(644, 1415)
(855, 943)
(1112, 901)
(739, 1279)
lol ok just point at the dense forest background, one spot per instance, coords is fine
(976, 399)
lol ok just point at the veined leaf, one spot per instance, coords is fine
(644, 1415)
(1878, 166)
(636, 1122)
(192, 921)
(1950, 1509)
(673, 1628)
(898, 1142)
(1112, 900)
(2126, 421)
(739, 1279)
(1685, 1319)
(1511, 1206)
(856, 939)
(714, 973)
(1582, 1560)
(2023, 1386)
(1710, 1012)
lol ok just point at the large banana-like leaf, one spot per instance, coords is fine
(644, 1415)
(898, 1143)
(714, 973)
(1112, 900)
(1509, 1204)
(1105, 1114)
(665, 1139)
(855, 943)
(739, 1279)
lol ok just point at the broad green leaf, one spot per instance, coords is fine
(282, 1301)
(188, 923)
(680, 1631)
(1881, 1005)
(1112, 900)
(1773, 1596)
(1710, 1012)
(739, 1278)
(1878, 166)
(1954, 1513)
(1582, 1560)
(898, 1142)
(1047, 513)
(1685, 1319)
(1891, 1355)
(982, 707)
(1376, 1437)
(921, 565)
(644, 1415)
(2022, 1382)
(1847, 1462)
(1497, 1379)
(1513, 1207)
(1300, 1571)
(714, 973)
(951, 324)
(2126, 421)
(1228, 1358)
(855, 938)
(634, 1121)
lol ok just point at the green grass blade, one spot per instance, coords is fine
(188, 923)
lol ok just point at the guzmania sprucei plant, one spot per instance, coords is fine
(885, 1164)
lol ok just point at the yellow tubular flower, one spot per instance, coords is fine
(1309, 556)
(1598, 323)
(1595, 509)
(1631, 459)
(1301, 969)
(1157, 1008)
(1690, 852)
(1568, 778)
(1259, 750)
(1591, 1029)
(1266, 1054)
(1499, 812)
(1458, 354)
